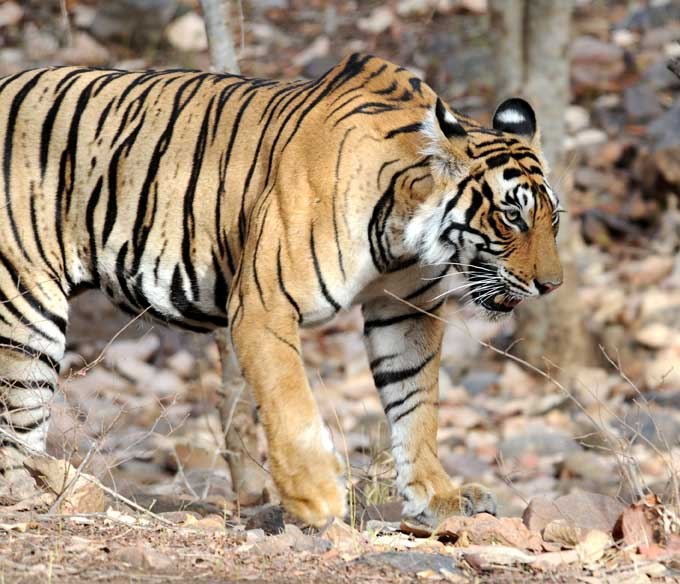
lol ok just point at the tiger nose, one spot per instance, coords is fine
(547, 286)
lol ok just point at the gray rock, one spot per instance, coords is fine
(477, 381)
(540, 442)
(584, 510)
(412, 562)
(317, 66)
(662, 429)
(641, 103)
(138, 22)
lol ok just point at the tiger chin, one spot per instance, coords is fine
(212, 201)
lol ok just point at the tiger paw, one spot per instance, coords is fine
(468, 500)
(312, 489)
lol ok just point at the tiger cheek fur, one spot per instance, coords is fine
(211, 201)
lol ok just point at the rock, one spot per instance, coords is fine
(595, 63)
(466, 466)
(269, 519)
(652, 270)
(474, 6)
(585, 139)
(479, 380)
(412, 562)
(39, 44)
(664, 370)
(292, 539)
(318, 49)
(588, 465)
(343, 537)
(378, 21)
(407, 8)
(641, 103)
(565, 533)
(209, 523)
(10, 14)
(484, 529)
(137, 349)
(664, 134)
(161, 382)
(85, 51)
(662, 429)
(187, 33)
(183, 363)
(576, 118)
(539, 442)
(655, 336)
(318, 66)
(84, 493)
(140, 23)
(579, 509)
(142, 557)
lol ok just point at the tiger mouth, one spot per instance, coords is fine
(490, 291)
(502, 301)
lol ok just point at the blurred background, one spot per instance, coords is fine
(603, 413)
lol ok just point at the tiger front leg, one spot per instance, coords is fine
(404, 348)
(305, 468)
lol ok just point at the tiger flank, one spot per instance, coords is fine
(209, 201)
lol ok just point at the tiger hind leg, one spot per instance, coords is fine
(32, 340)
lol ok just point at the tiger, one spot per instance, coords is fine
(210, 202)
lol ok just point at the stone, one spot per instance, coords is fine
(10, 14)
(477, 381)
(187, 33)
(138, 349)
(580, 509)
(140, 23)
(407, 8)
(84, 493)
(655, 336)
(412, 562)
(540, 442)
(585, 139)
(378, 21)
(183, 363)
(269, 518)
(576, 118)
(318, 49)
(142, 557)
(485, 529)
(641, 103)
(664, 135)
(85, 51)
(663, 371)
(660, 428)
(595, 63)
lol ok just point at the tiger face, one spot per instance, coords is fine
(492, 214)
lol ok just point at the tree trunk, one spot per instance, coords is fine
(217, 16)
(531, 47)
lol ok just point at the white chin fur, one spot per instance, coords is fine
(422, 236)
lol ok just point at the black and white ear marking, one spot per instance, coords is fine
(448, 124)
(515, 116)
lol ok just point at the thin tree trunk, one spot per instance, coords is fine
(217, 16)
(531, 40)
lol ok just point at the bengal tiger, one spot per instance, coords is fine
(209, 201)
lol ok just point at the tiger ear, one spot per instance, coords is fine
(516, 116)
(446, 141)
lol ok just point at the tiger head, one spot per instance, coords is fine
(491, 212)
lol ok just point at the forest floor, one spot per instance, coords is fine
(585, 471)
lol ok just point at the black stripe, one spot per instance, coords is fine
(399, 375)
(409, 411)
(282, 287)
(11, 345)
(319, 276)
(399, 402)
(404, 130)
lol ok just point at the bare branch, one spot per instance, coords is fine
(217, 15)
